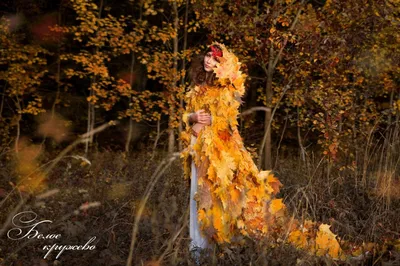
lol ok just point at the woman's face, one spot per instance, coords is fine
(209, 62)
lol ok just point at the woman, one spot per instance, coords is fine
(201, 74)
(229, 196)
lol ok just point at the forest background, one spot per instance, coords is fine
(92, 99)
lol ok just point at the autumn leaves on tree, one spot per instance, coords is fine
(324, 73)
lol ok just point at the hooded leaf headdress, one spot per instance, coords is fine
(228, 71)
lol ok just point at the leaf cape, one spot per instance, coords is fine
(231, 191)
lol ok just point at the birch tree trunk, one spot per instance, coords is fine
(267, 128)
(171, 131)
(91, 110)
(183, 66)
(129, 137)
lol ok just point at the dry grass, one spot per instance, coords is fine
(119, 184)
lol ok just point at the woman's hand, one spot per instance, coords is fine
(201, 117)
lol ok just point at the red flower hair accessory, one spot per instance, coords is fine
(216, 52)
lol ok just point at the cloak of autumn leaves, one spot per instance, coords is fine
(235, 199)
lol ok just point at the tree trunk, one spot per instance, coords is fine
(301, 146)
(171, 131)
(2, 101)
(91, 109)
(89, 117)
(58, 77)
(183, 68)
(268, 90)
(129, 137)
(17, 103)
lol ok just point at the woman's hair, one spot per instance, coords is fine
(197, 74)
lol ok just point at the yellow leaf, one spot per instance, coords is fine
(326, 243)
(235, 194)
(274, 183)
(298, 239)
(276, 205)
